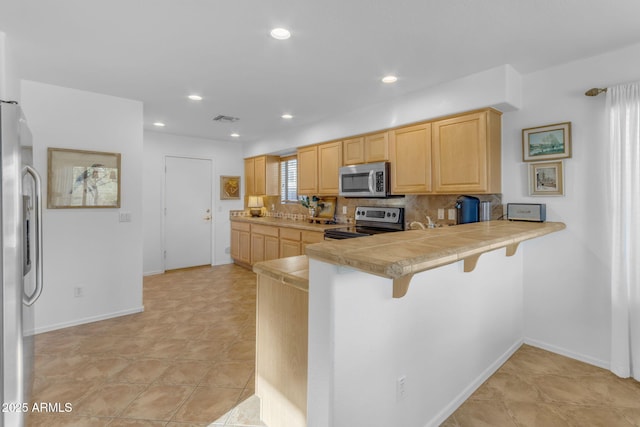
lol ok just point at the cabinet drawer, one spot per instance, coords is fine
(290, 234)
(312, 236)
(264, 229)
(240, 226)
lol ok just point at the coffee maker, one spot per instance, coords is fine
(468, 209)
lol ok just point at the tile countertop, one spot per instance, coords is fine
(283, 222)
(292, 271)
(400, 255)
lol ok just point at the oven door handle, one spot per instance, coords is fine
(371, 182)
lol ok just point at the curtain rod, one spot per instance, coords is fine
(595, 91)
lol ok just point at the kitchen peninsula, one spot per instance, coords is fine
(377, 360)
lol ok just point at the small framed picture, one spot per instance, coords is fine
(82, 179)
(229, 187)
(546, 142)
(546, 179)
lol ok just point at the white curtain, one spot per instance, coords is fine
(623, 108)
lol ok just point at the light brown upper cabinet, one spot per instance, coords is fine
(410, 155)
(353, 151)
(318, 169)
(466, 153)
(366, 149)
(329, 162)
(261, 176)
(308, 170)
(376, 147)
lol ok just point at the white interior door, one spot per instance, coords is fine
(188, 212)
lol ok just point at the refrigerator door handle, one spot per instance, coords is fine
(30, 299)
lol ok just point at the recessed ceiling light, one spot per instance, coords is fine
(287, 116)
(159, 124)
(235, 135)
(389, 79)
(280, 33)
(195, 97)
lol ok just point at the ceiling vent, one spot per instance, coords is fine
(225, 119)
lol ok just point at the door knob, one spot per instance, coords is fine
(207, 218)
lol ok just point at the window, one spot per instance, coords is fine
(289, 179)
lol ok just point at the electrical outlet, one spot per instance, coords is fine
(440, 213)
(124, 216)
(78, 292)
(401, 390)
(452, 214)
(344, 210)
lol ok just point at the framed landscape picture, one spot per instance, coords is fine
(546, 179)
(82, 179)
(548, 142)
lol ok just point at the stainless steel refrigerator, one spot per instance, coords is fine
(21, 266)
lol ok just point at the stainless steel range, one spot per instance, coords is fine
(369, 221)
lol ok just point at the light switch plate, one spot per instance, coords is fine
(452, 214)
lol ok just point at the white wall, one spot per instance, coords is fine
(445, 336)
(498, 87)
(88, 248)
(227, 160)
(567, 290)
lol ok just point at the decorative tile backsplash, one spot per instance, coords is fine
(417, 207)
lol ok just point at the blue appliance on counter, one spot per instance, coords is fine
(468, 209)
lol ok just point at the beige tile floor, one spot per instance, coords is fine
(538, 388)
(188, 360)
(185, 362)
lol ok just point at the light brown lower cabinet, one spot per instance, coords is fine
(241, 242)
(289, 242)
(251, 243)
(265, 244)
(294, 241)
(310, 237)
(281, 352)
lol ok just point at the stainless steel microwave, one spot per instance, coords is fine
(367, 180)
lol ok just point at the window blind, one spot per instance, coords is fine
(289, 179)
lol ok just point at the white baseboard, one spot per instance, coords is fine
(152, 273)
(87, 320)
(568, 353)
(473, 386)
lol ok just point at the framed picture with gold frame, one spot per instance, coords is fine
(546, 179)
(82, 179)
(229, 187)
(550, 142)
